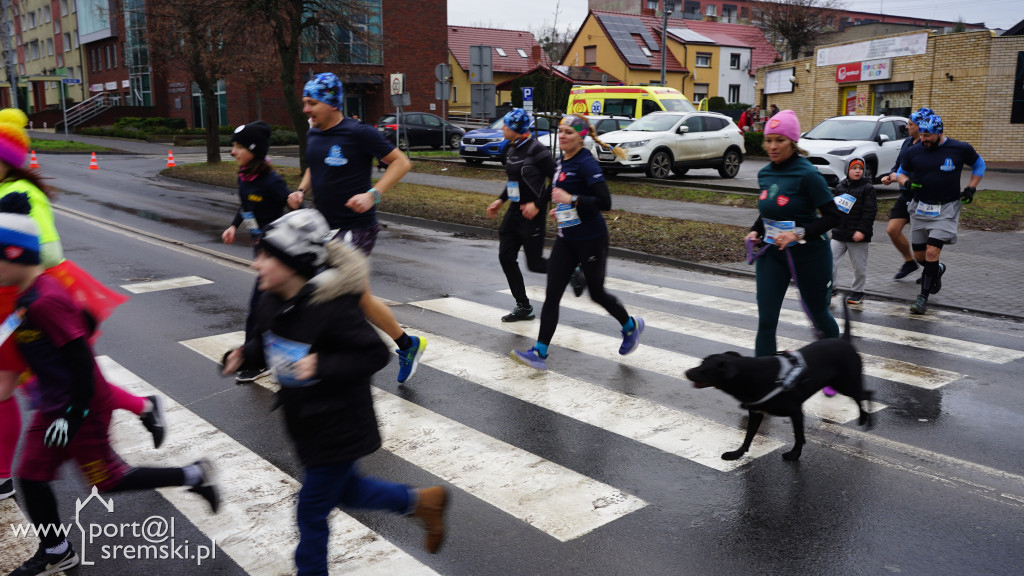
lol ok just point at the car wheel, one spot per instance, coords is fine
(659, 165)
(474, 161)
(730, 164)
(403, 143)
(453, 140)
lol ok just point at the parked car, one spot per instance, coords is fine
(833, 142)
(489, 143)
(661, 143)
(602, 125)
(420, 129)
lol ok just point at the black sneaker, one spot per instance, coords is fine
(937, 282)
(246, 376)
(579, 283)
(6, 489)
(207, 487)
(521, 312)
(43, 563)
(155, 421)
(920, 306)
(907, 269)
(855, 298)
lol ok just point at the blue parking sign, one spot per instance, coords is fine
(527, 93)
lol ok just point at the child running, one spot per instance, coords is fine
(856, 199)
(311, 332)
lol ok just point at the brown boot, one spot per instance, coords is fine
(430, 509)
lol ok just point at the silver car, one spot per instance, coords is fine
(835, 141)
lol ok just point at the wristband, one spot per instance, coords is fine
(376, 195)
(574, 200)
(800, 232)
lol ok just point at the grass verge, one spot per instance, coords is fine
(40, 145)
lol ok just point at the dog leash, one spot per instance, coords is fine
(753, 255)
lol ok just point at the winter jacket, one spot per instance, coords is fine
(861, 216)
(266, 196)
(330, 419)
(530, 165)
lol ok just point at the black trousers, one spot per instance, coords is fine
(517, 232)
(592, 258)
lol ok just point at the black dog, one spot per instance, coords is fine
(757, 383)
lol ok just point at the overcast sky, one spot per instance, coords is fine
(533, 14)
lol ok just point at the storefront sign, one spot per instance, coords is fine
(908, 45)
(866, 71)
(848, 72)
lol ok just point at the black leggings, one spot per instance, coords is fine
(518, 232)
(592, 257)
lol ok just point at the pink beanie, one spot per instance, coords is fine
(785, 123)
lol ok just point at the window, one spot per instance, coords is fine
(56, 26)
(431, 121)
(648, 106)
(590, 55)
(46, 14)
(63, 7)
(704, 59)
(619, 107)
(700, 92)
(49, 46)
(67, 42)
(712, 10)
(652, 4)
(691, 10)
(455, 93)
(60, 60)
(113, 55)
(693, 123)
(712, 124)
(74, 38)
(646, 51)
(734, 61)
(734, 93)
(522, 53)
(31, 20)
(888, 129)
(501, 52)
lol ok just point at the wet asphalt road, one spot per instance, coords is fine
(937, 487)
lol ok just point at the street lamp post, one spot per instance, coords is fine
(668, 8)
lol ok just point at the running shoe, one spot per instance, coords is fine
(6, 489)
(579, 283)
(246, 376)
(207, 487)
(409, 359)
(44, 563)
(855, 298)
(631, 339)
(521, 312)
(531, 358)
(828, 391)
(155, 421)
(920, 306)
(937, 283)
(907, 269)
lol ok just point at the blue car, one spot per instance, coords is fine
(489, 144)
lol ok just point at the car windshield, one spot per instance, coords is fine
(678, 105)
(387, 119)
(498, 123)
(839, 129)
(654, 123)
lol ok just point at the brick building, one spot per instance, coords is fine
(968, 78)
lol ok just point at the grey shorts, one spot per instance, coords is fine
(941, 226)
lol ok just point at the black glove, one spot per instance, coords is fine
(63, 429)
(968, 195)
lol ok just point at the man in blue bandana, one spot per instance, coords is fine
(340, 153)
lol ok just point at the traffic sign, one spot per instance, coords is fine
(443, 72)
(397, 84)
(71, 80)
(527, 93)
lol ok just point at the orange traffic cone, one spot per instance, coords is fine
(170, 159)
(92, 163)
(32, 163)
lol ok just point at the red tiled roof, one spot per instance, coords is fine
(460, 38)
(763, 52)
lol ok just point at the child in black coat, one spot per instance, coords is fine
(856, 199)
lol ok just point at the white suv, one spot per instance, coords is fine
(661, 143)
(832, 143)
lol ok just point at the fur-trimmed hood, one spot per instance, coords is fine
(347, 271)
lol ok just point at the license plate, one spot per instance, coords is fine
(604, 156)
(469, 148)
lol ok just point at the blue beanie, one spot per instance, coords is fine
(19, 234)
(930, 124)
(326, 88)
(921, 114)
(518, 121)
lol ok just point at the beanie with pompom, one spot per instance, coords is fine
(14, 140)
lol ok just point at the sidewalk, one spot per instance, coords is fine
(984, 268)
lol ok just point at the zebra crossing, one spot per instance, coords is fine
(537, 492)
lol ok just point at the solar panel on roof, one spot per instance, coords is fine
(622, 29)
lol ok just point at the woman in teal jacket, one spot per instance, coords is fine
(793, 194)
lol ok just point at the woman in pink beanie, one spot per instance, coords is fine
(797, 210)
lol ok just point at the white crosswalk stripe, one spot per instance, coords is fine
(879, 367)
(664, 362)
(169, 284)
(552, 498)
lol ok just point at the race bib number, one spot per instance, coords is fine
(928, 209)
(845, 203)
(772, 229)
(513, 191)
(11, 324)
(566, 216)
(281, 355)
(249, 223)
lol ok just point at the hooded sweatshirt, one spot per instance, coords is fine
(858, 217)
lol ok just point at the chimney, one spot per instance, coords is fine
(535, 53)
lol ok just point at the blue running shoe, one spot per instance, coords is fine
(631, 339)
(531, 358)
(409, 360)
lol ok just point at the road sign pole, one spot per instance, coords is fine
(64, 107)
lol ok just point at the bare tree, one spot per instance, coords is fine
(793, 25)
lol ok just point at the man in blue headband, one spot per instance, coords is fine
(931, 174)
(339, 155)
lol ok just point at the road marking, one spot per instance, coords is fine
(256, 523)
(664, 362)
(674, 431)
(545, 495)
(931, 342)
(876, 366)
(169, 284)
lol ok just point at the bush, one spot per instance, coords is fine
(754, 141)
(112, 133)
(716, 103)
(152, 125)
